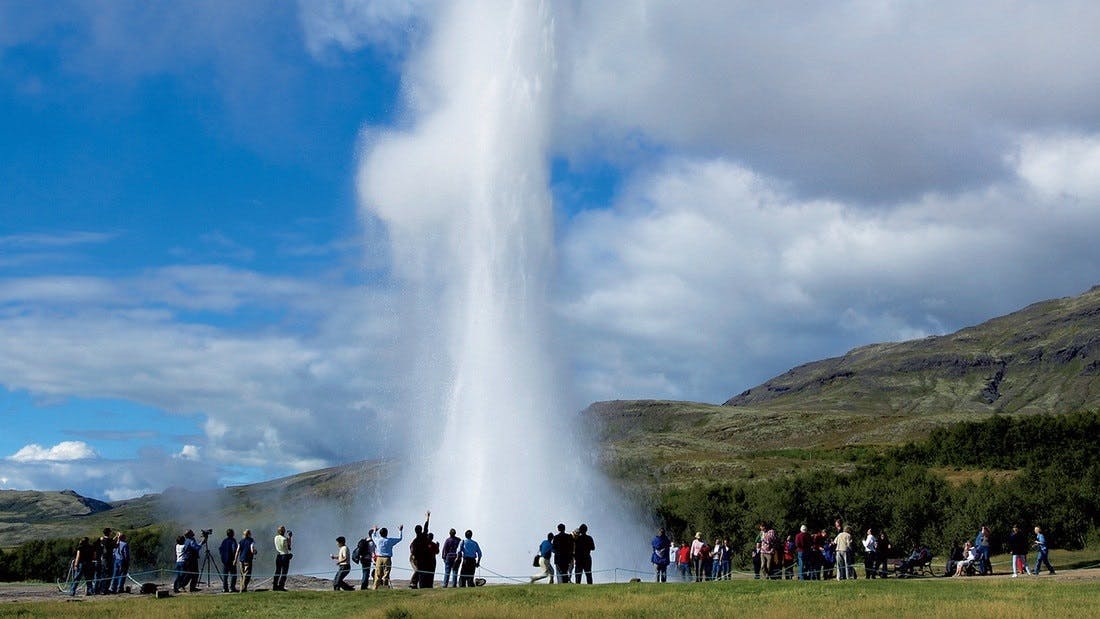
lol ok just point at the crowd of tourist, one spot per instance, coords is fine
(824, 555)
(103, 565)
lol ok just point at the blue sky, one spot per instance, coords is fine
(192, 290)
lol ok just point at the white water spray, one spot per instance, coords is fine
(464, 193)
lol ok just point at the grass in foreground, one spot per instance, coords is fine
(982, 597)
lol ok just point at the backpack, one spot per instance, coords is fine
(358, 555)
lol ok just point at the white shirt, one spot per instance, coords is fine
(870, 544)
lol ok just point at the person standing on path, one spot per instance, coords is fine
(870, 549)
(228, 552)
(246, 552)
(661, 552)
(583, 546)
(122, 563)
(451, 559)
(471, 559)
(844, 569)
(563, 553)
(283, 555)
(383, 549)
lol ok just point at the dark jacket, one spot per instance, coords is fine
(563, 547)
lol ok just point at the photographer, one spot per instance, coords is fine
(282, 558)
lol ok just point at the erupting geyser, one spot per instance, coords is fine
(485, 436)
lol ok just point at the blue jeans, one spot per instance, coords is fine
(180, 575)
(1041, 560)
(118, 579)
(801, 565)
(450, 572)
(81, 573)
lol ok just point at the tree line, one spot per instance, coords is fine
(1054, 483)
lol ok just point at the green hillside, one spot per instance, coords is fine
(1043, 359)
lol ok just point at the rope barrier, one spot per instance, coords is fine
(66, 585)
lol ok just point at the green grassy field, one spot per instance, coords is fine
(1075, 596)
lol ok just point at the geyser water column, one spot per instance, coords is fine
(464, 193)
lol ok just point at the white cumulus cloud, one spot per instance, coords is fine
(61, 452)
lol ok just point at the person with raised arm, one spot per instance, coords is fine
(383, 550)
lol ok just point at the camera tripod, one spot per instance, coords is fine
(208, 565)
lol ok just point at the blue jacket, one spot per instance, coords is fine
(227, 550)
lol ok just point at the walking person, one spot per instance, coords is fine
(583, 546)
(545, 548)
(246, 552)
(451, 559)
(1017, 545)
(83, 568)
(1040, 543)
(284, 542)
(660, 557)
(383, 551)
(563, 553)
(343, 566)
(471, 559)
(228, 552)
(121, 563)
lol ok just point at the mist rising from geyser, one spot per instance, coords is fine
(464, 194)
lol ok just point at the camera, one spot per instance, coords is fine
(207, 532)
(290, 533)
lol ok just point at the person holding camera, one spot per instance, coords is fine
(283, 543)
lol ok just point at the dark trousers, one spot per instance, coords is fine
(466, 572)
(282, 566)
(582, 565)
(563, 566)
(229, 577)
(869, 562)
(338, 583)
(427, 573)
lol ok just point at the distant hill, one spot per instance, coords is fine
(822, 415)
(27, 515)
(1044, 358)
